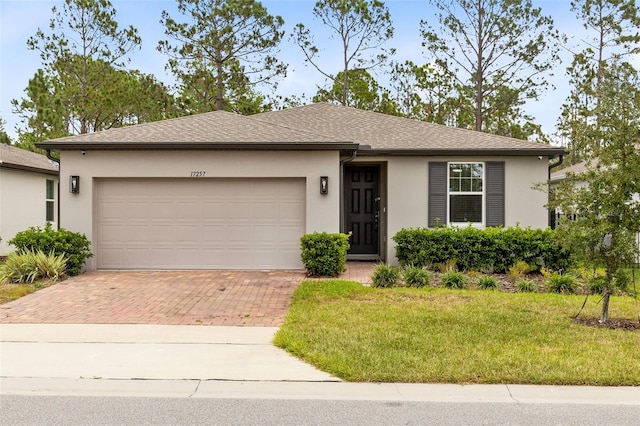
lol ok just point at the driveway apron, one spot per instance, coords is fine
(221, 298)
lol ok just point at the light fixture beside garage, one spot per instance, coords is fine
(74, 184)
(324, 185)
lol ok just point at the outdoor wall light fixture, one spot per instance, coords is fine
(74, 184)
(324, 185)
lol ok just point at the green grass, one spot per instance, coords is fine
(432, 335)
(9, 292)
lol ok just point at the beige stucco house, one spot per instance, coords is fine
(28, 192)
(220, 190)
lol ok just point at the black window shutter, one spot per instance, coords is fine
(495, 193)
(437, 193)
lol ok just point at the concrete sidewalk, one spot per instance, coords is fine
(151, 352)
(219, 362)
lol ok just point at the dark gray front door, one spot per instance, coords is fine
(362, 208)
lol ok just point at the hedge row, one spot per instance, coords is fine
(493, 249)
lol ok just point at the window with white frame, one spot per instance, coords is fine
(50, 201)
(466, 193)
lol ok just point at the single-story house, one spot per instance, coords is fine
(221, 190)
(558, 176)
(28, 192)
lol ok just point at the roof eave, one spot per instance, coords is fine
(244, 146)
(518, 152)
(4, 165)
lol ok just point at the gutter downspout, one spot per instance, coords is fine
(552, 215)
(56, 160)
(342, 163)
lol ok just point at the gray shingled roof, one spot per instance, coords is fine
(210, 127)
(316, 124)
(16, 158)
(386, 132)
(577, 168)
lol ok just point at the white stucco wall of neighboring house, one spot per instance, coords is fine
(407, 192)
(22, 203)
(77, 214)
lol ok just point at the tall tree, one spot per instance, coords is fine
(604, 202)
(362, 26)
(43, 111)
(498, 50)
(84, 40)
(364, 93)
(50, 107)
(430, 93)
(613, 33)
(225, 49)
(143, 99)
(4, 137)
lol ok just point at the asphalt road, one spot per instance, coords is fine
(85, 410)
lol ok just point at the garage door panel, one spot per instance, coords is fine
(140, 210)
(112, 210)
(289, 234)
(162, 211)
(199, 224)
(162, 234)
(265, 211)
(240, 235)
(239, 209)
(188, 210)
(139, 189)
(291, 209)
(187, 257)
(112, 256)
(214, 209)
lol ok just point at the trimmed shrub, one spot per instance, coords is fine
(385, 276)
(29, 266)
(621, 281)
(324, 254)
(563, 284)
(481, 249)
(524, 285)
(415, 277)
(454, 279)
(487, 283)
(597, 285)
(519, 270)
(74, 246)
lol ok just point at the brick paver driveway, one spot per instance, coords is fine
(235, 298)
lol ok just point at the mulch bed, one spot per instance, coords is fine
(612, 323)
(507, 286)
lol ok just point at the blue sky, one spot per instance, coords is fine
(20, 19)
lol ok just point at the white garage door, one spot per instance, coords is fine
(199, 223)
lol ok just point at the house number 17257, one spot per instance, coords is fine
(198, 173)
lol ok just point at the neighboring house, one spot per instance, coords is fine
(28, 192)
(221, 190)
(582, 167)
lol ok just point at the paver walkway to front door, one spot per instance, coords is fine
(234, 298)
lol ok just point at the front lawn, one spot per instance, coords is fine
(434, 335)
(12, 291)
